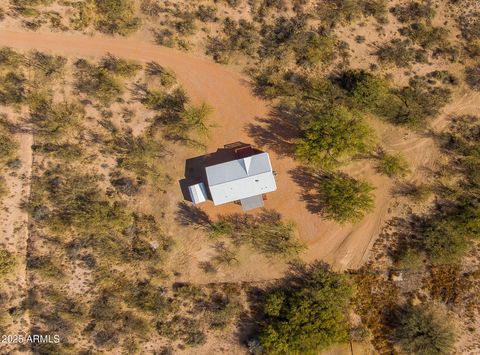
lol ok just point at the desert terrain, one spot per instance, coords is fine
(188, 268)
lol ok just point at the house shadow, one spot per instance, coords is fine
(195, 167)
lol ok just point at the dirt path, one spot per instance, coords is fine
(235, 108)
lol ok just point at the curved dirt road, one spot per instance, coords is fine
(235, 107)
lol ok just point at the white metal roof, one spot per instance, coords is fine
(240, 179)
(198, 193)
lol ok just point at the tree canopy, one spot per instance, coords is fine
(309, 318)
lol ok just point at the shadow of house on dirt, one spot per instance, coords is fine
(309, 182)
(195, 169)
(276, 132)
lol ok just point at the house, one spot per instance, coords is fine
(245, 178)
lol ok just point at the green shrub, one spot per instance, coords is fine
(50, 65)
(119, 66)
(116, 17)
(344, 198)
(308, 318)
(425, 329)
(392, 165)
(448, 236)
(332, 137)
(97, 82)
(8, 148)
(410, 259)
(13, 89)
(11, 59)
(363, 88)
(77, 203)
(57, 123)
(414, 105)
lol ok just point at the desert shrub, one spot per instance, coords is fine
(207, 13)
(414, 105)
(313, 48)
(2, 14)
(119, 66)
(147, 240)
(472, 77)
(97, 82)
(192, 126)
(334, 12)
(148, 298)
(410, 259)
(167, 77)
(3, 188)
(57, 122)
(76, 203)
(376, 9)
(151, 8)
(8, 148)
(278, 37)
(425, 329)
(345, 199)
(185, 23)
(164, 37)
(51, 65)
(239, 37)
(413, 11)
(425, 35)
(46, 266)
(116, 17)
(461, 140)
(332, 137)
(11, 59)
(266, 233)
(444, 76)
(397, 52)
(139, 154)
(182, 328)
(309, 317)
(13, 90)
(7, 262)
(470, 25)
(392, 165)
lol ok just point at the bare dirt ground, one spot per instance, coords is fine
(235, 107)
(14, 229)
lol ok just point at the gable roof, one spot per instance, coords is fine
(241, 178)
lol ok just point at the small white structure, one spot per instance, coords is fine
(198, 193)
(245, 180)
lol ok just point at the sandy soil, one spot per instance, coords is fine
(235, 108)
(14, 230)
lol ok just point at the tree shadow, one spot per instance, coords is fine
(189, 215)
(276, 132)
(309, 182)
